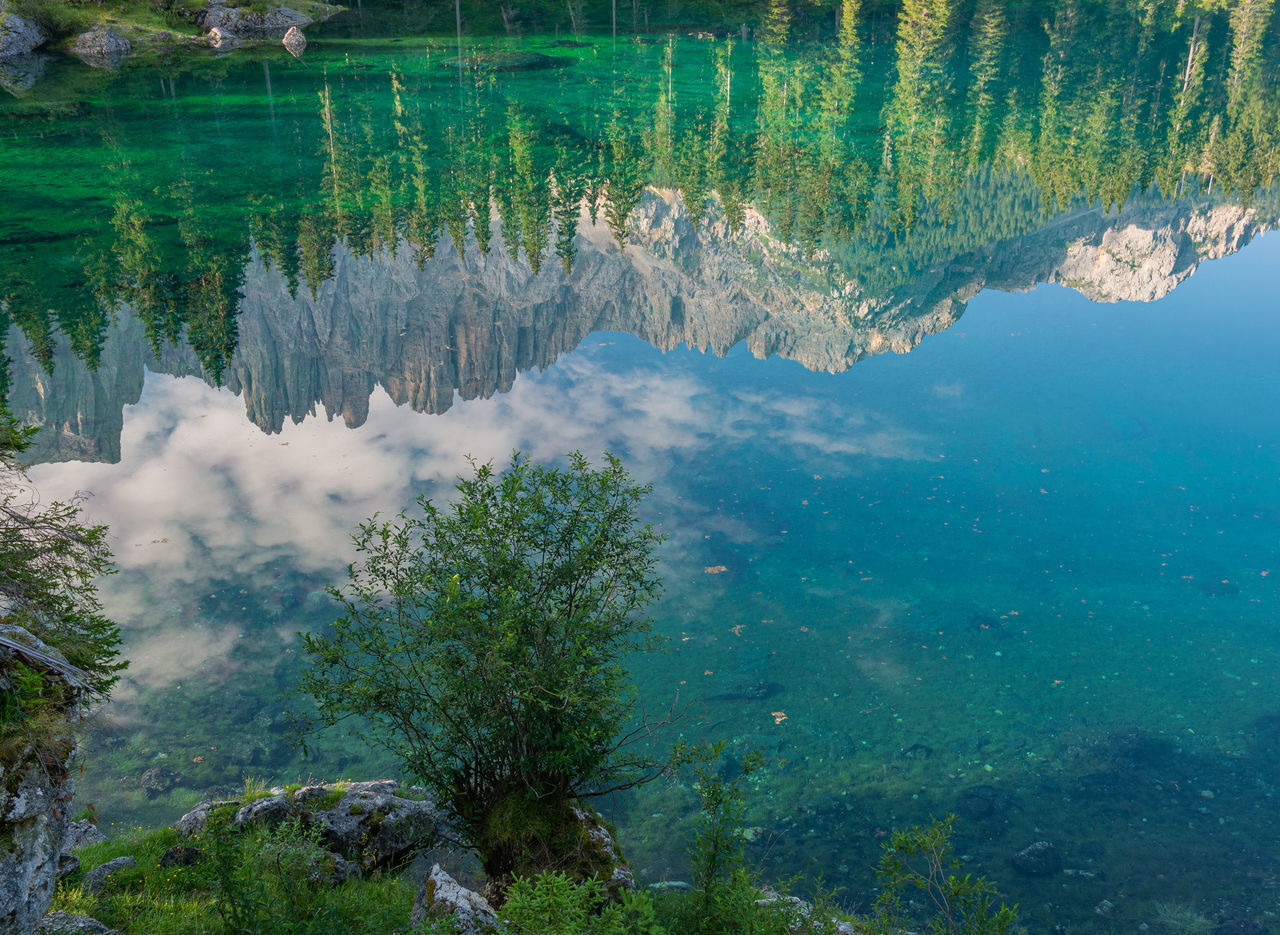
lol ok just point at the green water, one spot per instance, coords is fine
(1023, 573)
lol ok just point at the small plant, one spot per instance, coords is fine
(553, 904)
(727, 897)
(255, 787)
(718, 845)
(919, 859)
(1181, 919)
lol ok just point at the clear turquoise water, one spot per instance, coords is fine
(1025, 573)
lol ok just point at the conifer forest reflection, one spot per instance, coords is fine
(1021, 574)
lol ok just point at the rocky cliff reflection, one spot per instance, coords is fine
(464, 324)
(394, 222)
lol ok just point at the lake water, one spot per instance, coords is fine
(951, 356)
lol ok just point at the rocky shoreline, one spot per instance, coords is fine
(25, 42)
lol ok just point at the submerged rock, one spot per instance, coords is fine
(985, 803)
(1040, 859)
(158, 780)
(442, 897)
(101, 48)
(751, 690)
(509, 61)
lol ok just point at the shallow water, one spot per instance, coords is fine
(1022, 573)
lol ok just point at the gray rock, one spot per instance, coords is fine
(364, 822)
(82, 834)
(216, 16)
(18, 36)
(799, 914)
(613, 869)
(67, 865)
(295, 41)
(193, 822)
(1041, 859)
(101, 48)
(96, 879)
(374, 826)
(271, 23)
(442, 897)
(269, 812)
(64, 923)
(325, 868)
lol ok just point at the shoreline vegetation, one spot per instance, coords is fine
(105, 35)
(169, 27)
(250, 866)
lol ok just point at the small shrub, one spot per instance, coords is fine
(553, 904)
(919, 859)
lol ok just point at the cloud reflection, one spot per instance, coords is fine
(202, 500)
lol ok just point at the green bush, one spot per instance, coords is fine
(553, 904)
(483, 644)
(918, 859)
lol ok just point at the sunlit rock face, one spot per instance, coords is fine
(1136, 261)
(464, 324)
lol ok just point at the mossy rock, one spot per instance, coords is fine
(525, 837)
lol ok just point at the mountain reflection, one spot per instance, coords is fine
(434, 230)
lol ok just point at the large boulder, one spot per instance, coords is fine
(442, 897)
(36, 787)
(368, 823)
(101, 48)
(18, 35)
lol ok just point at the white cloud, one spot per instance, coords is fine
(201, 497)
